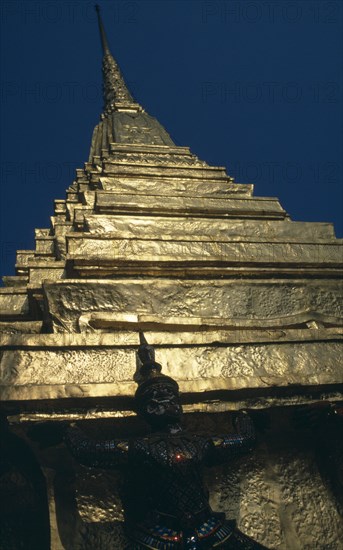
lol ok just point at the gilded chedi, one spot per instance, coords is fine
(243, 306)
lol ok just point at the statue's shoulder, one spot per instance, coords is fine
(147, 443)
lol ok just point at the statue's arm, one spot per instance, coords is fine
(318, 416)
(109, 453)
(241, 441)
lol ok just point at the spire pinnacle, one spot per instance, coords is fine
(104, 43)
(116, 94)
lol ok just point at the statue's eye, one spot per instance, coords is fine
(150, 407)
(155, 407)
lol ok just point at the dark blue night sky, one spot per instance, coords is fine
(255, 86)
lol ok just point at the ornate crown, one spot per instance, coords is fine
(149, 374)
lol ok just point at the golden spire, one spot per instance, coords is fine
(114, 88)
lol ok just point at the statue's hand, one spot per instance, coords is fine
(48, 434)
(261, 420)
(72, 431)
(73, 426)
(312, 417)
(244, 424)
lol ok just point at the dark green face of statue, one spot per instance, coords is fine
(162, 407)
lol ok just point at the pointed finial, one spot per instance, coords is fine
(104, 43)
(146, 354)
(142, 339)
(114, 87)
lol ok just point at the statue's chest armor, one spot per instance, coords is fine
(171, 451)
(168, 472)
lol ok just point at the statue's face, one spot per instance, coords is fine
(162, 406)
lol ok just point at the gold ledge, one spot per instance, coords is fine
(130, 339)
(208, 387)
(212, 407)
